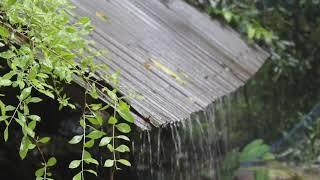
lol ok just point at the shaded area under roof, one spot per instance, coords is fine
(176, 57)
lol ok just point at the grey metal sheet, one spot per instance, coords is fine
(178, 58)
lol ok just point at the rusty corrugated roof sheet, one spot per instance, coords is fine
(175, 56)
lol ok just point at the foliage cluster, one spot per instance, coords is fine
(45, 47)
(254, 152)
(304, 146)
(289, 83)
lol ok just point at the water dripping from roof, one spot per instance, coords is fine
(189, 150)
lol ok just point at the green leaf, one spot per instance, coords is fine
(24, 147)
(123, 137)
(52, 161)
(6, 134)
(29, 131)
(96, 120)
(123, 148)
(251, 31)
(3, 108)
(96, 134)
(110, 147)
(44, 140)
(112, 120)
(112, 95)
(104, 141)
(34, 118)
(47, 93)
(124, 112)
(10, 108)
(7, 55)
(76, 139)
(123, 127)
(35, 100)
(124, 162)
(254, 151)
(93, 93)
(32, 125)
(95, 107)
(86, 155)
(4, 32)
(3, 118)
(25, 93)
(74, 164)
(77, 176)
(108, 163)
(84, 20)
(5, 82)
(39, 172)
(92, 161)
(89, 144)
(92, 172)
(227, 15)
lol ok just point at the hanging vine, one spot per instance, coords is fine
(45, 47)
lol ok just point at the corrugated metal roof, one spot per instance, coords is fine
(175, 56)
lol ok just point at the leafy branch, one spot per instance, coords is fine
(45, 49)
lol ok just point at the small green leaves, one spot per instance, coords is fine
(35, 100)
(44, 140)
(45, 61)
(5, 82)
(251, 31)
(105, 141)
(34, 118)
(96, 134)
(122, 148)
(3, 108)
(74, 164)
(97, 120)
(227, 15)
(84, 20)
(112, 95)
(93, 93)
(108, 163)
(110, 147)
(4, 33)
(40, 172)
(92, 172)
(6, 134)
(25, 93)
(77, 176)
(112, 120)
(51, 162)
(89, 144)
(47, 93)
(124, 112)
(123, 137)
(255, 151)
(25, 146)
(95, 107)
(76, 139)
(123, 127)
(124, 162)
(91, 161)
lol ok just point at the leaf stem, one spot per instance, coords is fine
(14, 113)
(113, 136)
(43, 158)
(84, 134)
